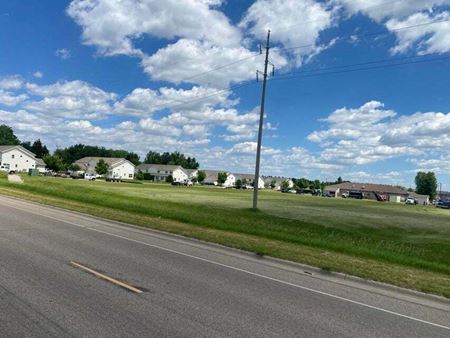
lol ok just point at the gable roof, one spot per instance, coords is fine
(91, 161)
(5, 148)
(40, 162)
(156, 167)
(380, 188)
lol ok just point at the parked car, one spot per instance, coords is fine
(90, 176)
(411, 201)
(4, 167)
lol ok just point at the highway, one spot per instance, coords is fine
(187, 288)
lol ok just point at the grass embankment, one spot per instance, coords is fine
(407, 246)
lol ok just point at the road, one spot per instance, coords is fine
(190, 288)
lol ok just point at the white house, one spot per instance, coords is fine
(212, 177)
(18, 159)
(160, 172)
(249, 178)
(118, 168)
(279, 180)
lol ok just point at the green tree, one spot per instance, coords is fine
(222, 177)
(426, 184)
(102, 167)
(153, 158)
(54, 162)
(201, 175)
(39, 149)
(273, 184)
(7, 136)
(238, 183)
(285, 185)
(169, 179)
(339, 180)
(140, 175)
(74, 167)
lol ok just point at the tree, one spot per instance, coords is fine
(222, 177)
(169, 179)
(339, 180)
(201, 175)
(140, 175)
(74, 167)
(153, 158)
(426, 184)
(39, 149)
(133, 158)
(285, 185)
(7, 136)
(273, 184)
(175, 158)
(102, 167)
(54, 162)
(238, 183)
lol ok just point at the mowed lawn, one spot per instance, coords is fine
(403, 245)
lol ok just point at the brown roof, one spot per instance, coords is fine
(379, 188)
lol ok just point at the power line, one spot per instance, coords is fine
(288, 77)
(351, 36)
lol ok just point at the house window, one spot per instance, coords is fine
(130, 176)
(12, 156)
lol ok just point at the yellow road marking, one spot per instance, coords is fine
(109, 279)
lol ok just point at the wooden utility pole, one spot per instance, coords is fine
(261, 124)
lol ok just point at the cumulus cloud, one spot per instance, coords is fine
(113, 25)
(70, 100)
(12, 82)
(420, 25)
(302, 23)
(9, 99)
(371, 133)
(145, 101)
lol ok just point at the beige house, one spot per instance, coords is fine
(118, 168)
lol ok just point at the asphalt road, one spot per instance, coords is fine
(191, 289)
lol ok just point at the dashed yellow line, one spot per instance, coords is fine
(107, 278)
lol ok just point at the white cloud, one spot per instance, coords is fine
(113, 25)
(145, 101)
(13, 82)
(70, 99)
(426, 39)
(38, 75)
(187, 60)
(9, 99)
(63, 53)
(301, 24)
(380, 9)
(371, 134)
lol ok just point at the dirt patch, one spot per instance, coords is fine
(15, 179)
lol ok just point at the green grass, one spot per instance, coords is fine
(404, 245)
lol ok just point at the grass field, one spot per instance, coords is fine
(407, 246)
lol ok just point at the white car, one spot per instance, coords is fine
(89, 177)
(410, 200)
(4, 167)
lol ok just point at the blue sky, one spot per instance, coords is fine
(131, 74)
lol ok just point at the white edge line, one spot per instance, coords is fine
(244, 271)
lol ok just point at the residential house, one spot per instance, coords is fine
(279, 180)
(421, 199)
(368, 191)
(160, 172)
(118, 168)
(18, 159)
(212, 176)
(444, 195)
(249, 178)
(192, 173)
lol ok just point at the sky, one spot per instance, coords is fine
(360, 88)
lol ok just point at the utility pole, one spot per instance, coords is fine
(261, 123)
